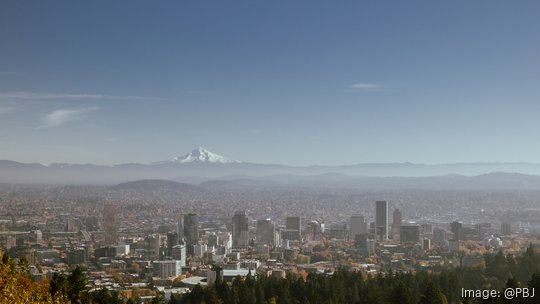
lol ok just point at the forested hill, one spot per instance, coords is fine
(392, 288)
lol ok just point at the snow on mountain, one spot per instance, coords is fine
(201, 155)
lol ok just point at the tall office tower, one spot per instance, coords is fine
(213, 240)
(439, 237)
(360, 242)
(396, 223)
(357, 225)
(314, 232)
(506, 229)
(409, 234)
(266, 230)
(456, 228)
(381, 220)
(338, 231)
(240, 230)
(173, 239)
(293, 223)
(191, 231)
(180, 226)
(109, 223)
(179, 254)
(426, 228)
(152, 244)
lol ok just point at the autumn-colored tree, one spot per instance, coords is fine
(17, 287)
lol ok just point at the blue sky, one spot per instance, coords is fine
(292, 82)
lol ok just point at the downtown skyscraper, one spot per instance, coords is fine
(191, 231)
(381, 220)
(240, 230)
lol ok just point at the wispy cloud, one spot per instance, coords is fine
(61, 116)
(366, 87)
(43, 95)
(5, 110)
(7, 73)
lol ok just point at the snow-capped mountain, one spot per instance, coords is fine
(201, 155)
(201, 164)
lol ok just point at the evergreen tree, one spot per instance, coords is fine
(401, 295)
(77, 283)
(59, 285)
(534, 284)
(433, 295)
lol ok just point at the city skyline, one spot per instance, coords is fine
(269, 152)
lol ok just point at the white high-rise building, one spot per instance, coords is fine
(179, 254)
(166, 269)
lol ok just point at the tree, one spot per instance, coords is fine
(534, 283)
(77, 283)
(401, 295)
(59, 285)
(433, 295)
(131, 301)
(17, 288)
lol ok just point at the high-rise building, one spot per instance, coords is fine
(152, 244)
(409, 234)
(381, 220)
(426, 228)
(166, 269)
(213, 275)
(266, 230)
(199, 249)
(76, 256)
(338, 231)
(180, 226)
(289, 234)
(456, 228)
(314, 232)
(357, 225)
(364, 245)
(292, 228)
(191, 231)
(293, 222)
(109, 223)
(179, 254)
(173, 239)
(240, 230)
(439, 237)
(213, 239)
(506, 229)
(396, 223)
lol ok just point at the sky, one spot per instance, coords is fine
(288, 82)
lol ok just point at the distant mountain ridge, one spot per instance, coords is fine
(156, 185)
(202, 165)
(490, 181)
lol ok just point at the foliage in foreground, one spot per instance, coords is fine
(424, 287)
(17, 287)
(392, 288)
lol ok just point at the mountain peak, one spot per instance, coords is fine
(201, 155)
